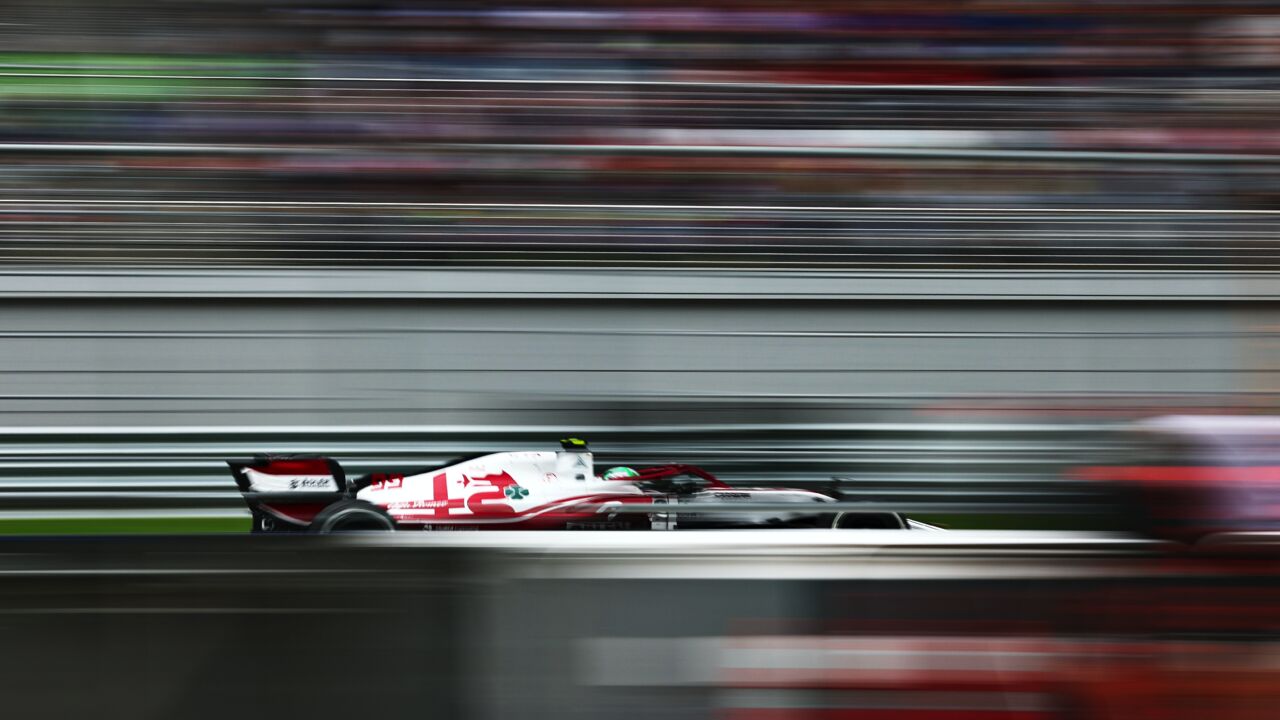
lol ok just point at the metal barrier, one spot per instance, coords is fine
(212, 233)
(935, 466)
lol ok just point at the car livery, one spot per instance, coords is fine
(521, 491)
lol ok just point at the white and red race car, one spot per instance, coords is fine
(524, 491)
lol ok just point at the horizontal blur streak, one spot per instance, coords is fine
(784, 676)
(935, 254)
(424, 235)
(1070, 105)
(573, 349)
(576, 625)
(176, 471)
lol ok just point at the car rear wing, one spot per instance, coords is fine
(289, 474)
(287, 491)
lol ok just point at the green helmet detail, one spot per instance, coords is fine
(619, 473)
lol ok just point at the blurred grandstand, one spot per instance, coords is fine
(977, 134)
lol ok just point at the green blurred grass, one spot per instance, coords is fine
(122, 526)
(76, 75)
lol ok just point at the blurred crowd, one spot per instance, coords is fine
(1162, 105)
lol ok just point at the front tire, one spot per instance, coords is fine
(351, 516)
(855, 520)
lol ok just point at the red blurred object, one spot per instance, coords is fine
(1197, 475)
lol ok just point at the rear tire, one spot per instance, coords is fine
(351, 516)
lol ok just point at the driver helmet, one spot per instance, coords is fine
(619, 473)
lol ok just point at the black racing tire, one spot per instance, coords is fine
(867, 520)
(262, 523)
(351, 516)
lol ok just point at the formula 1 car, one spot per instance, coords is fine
(523, 491)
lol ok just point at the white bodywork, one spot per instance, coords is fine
(499, 488)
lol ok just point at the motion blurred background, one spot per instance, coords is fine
(944, 252)
(937, 247)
